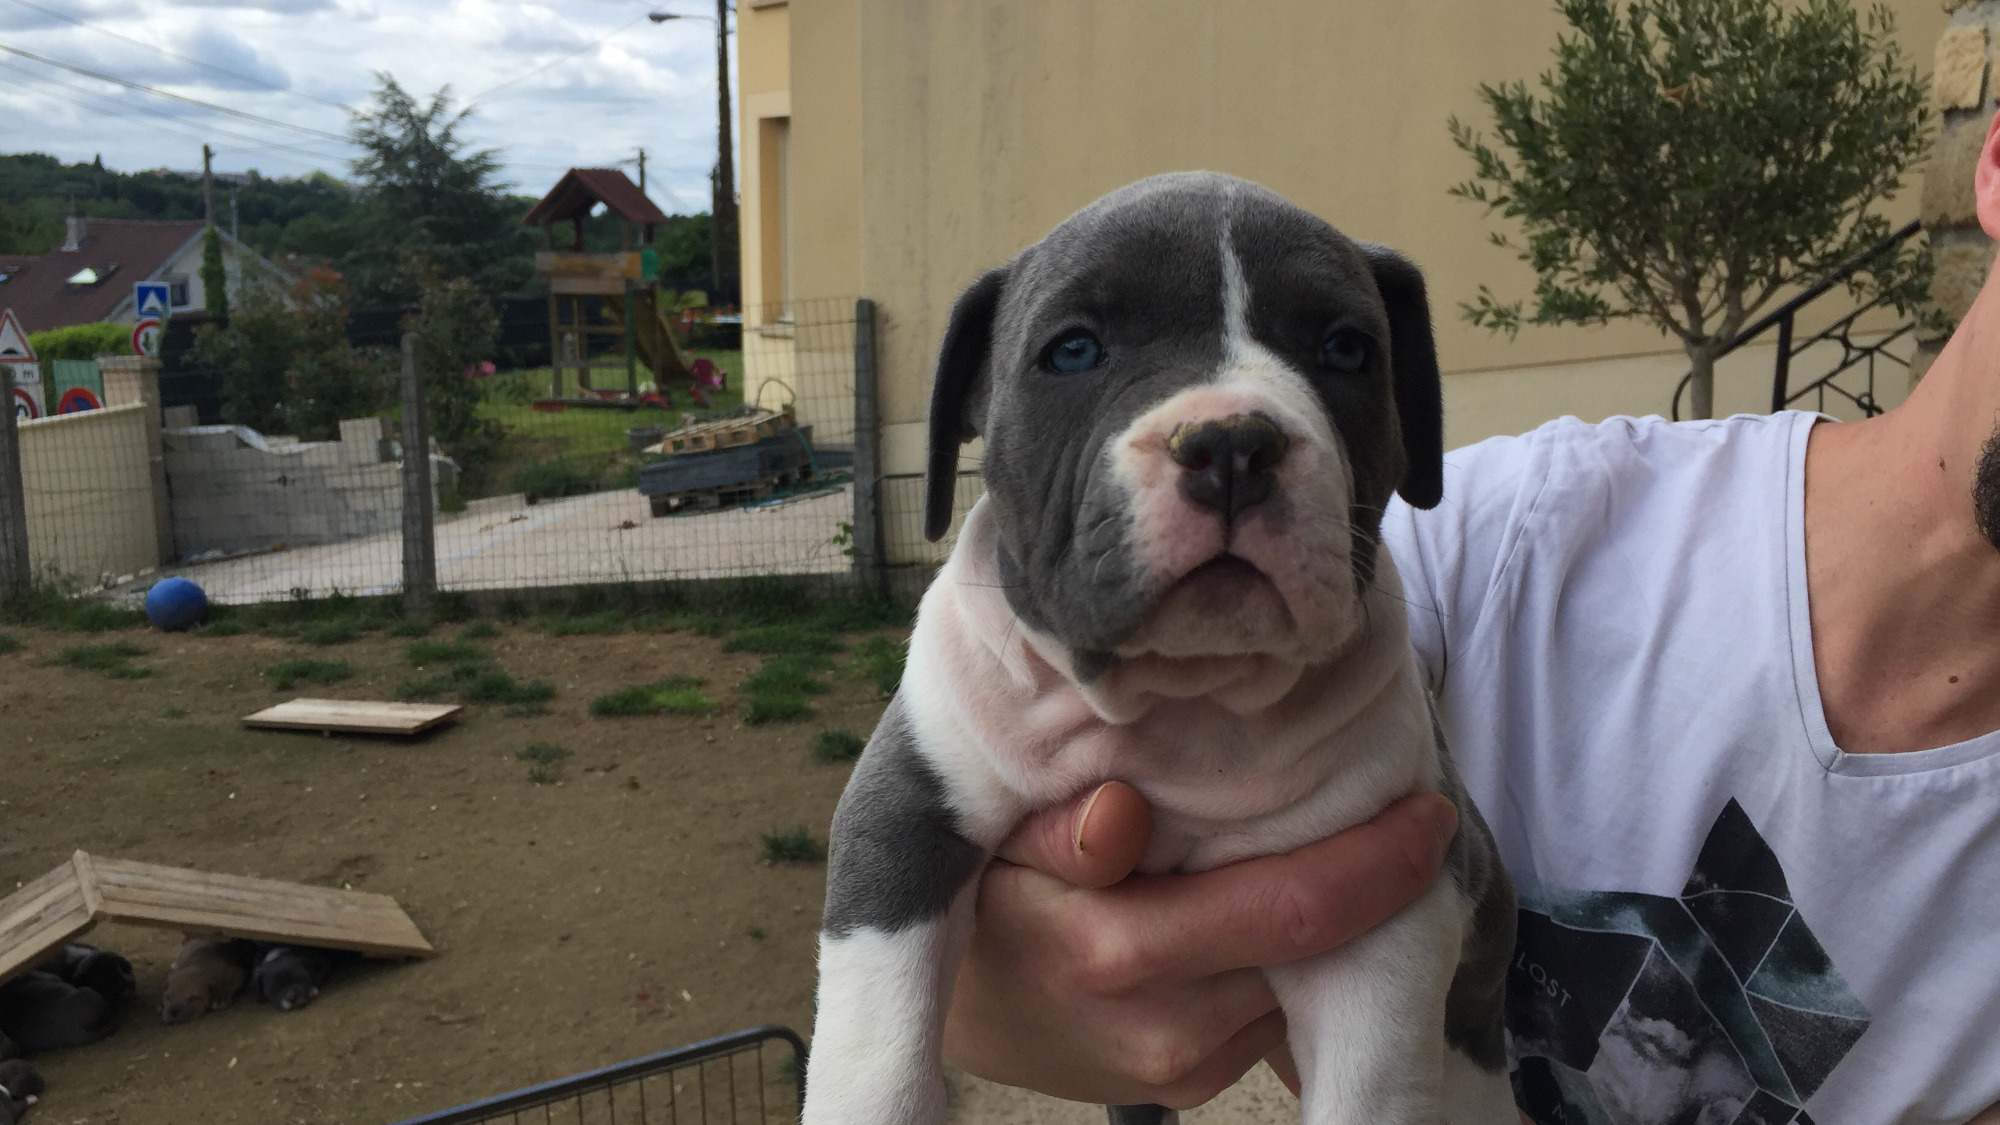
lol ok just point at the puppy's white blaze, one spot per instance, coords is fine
(1299, 539)
(876, 1047)
(1364, 1018)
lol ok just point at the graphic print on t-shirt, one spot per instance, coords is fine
(1718, 1007)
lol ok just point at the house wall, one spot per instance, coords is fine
(89, 490)
(931, 140)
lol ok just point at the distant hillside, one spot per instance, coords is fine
(310, 216)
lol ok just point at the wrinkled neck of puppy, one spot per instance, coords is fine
(1128, 688)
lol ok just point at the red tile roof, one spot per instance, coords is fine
(580, 189)
(38, 289)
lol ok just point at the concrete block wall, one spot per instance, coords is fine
(1965, 87)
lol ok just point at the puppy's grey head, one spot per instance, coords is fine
(1196, 398)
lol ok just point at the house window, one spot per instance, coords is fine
(177, 292)
(775, 225)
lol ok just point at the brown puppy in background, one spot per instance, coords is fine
(205, 977)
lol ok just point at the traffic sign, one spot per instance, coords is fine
(146, 338)
(76, 400)
(14, 345)
(152, 298)
(26, 381)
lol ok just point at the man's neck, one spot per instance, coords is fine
(1904, 591)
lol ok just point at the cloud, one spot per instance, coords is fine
(281, 7)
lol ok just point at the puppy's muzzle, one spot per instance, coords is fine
(1230, 464)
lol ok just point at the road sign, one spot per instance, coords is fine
(152, 298)
(146, 338)
(26, 381)
(14, 345)
(76, 400)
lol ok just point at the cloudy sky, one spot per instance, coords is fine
(583, 82)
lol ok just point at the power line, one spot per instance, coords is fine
(182, 126)
(184, 58)
(592, 45)
(156, 91)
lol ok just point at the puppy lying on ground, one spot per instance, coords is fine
(40, 1011)
(205, 977)
(288, 977)
(1196, 399)
(87, 966)
(20, 1087)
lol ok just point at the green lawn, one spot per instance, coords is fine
(556, 453)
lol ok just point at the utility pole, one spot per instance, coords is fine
(207, 185)
(722, 212)
(642, 170)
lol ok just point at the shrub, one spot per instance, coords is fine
(289, 368)
(82, 341)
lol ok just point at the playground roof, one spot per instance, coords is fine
(580, 189)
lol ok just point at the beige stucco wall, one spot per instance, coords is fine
(931, 140)
(89, 490)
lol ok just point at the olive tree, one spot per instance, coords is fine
(1686, 161)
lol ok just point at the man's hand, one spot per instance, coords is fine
(1091, 986)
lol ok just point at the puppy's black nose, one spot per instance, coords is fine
(1230, 462)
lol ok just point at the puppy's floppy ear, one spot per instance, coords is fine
(1419, 391)
(961, 374)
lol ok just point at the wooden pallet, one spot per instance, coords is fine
(725, 496)
(353, 716)
(724, 433)
(62, 905)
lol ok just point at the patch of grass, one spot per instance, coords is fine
(545, 761)
(451, 607)
(788, 638)
(174, 711)
(426, 652)
(676, 695)
(428, 688)
(495, 686)
(479, 631)
(530, 710)
(879, 659)
(338, 631)
(114, 659)
(286, 673)
(8, 643)
(227, 626)
(513, 608)
(781, 691)
(756, 932)
(793, 846)
(409, 627)
(600, 624)
(96, 617)
(838, 746)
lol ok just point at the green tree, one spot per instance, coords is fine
(1688, 160)
(424, 195)
(285, 363)
(457, 330)
(214, 280)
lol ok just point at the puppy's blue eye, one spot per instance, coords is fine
(1344, 351)
(1074, 353)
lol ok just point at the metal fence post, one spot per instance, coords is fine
(871, 574)
(16, 579)
(419, 541)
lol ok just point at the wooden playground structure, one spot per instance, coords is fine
(624, 283)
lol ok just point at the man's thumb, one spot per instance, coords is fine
(1093, 841)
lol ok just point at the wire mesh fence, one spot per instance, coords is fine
(749, 1078)
(741, 465)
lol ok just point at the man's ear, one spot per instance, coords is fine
(1413, 362)
(961, 375)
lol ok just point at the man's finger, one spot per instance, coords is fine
(1093, 841)
(1271, 910)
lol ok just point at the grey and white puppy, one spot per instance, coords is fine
(1196, 399)
(288, 977)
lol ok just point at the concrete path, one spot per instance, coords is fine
(507, 543)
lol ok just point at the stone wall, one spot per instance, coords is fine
(1963, 89)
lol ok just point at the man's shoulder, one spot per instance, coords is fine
(1624, 439)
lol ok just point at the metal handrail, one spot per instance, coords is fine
(592, 1081)
(1783, 316)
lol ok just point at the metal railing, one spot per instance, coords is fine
(1853, 353)
(705, 1083)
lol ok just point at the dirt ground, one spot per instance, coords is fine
(623, 910)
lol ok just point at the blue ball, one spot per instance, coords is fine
(174, 604)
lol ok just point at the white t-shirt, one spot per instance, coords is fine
(1723, 916)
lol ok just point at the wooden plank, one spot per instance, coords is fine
(41, 917)
(204, 902)
(356, 716)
